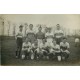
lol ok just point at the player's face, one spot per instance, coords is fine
(58, 27)
(46, 29)
(64, 40)
(31, 27)
(49, 30)
(54, 42)
(21, 28)
(40, 29)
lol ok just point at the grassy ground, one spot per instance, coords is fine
(0, 50)
(8, 55)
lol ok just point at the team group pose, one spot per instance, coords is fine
(42, 45)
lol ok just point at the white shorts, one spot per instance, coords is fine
(39, 42)
(49, 40)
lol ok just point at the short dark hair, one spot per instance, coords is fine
(31, 25)
(58, 24)
(40, 26)
(20, 26)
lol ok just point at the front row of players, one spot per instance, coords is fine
(45, 51)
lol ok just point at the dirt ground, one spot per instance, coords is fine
(8, 55)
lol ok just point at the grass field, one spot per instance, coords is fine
(8, 55)
(0, 50)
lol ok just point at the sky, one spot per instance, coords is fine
(69, 21)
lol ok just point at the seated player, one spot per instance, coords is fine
(40, 35)
(44, 50)
(55, 51)
(34, 48)
(64, 45)
(47, 48)
(58, 34)
(26, 50)
(19, 41)
(40, 51)
(49, 36)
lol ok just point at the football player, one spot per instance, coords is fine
(30, 34)
(58, 34)
(26, 50)
(64, 45)
(19, 41)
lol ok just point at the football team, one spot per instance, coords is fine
(42, 45)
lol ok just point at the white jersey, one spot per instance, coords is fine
(41, 45)
(19, 34)
(47, 44)
(65, 45)
(30, 34)
(25, 45)
(55, 48)
(49, 37)
(29, 31)
(58, 33)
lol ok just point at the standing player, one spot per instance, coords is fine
(64, 45)
(40, 35)
(30, 34)
(19, 41)
(58, 34)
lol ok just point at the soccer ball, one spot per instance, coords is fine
(23, 57)
(32, 56)
(59, 58)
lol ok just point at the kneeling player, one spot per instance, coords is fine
(26, 50)
(44, 50)
(64, 45)
(40, 52)
(33, 49)
(55, 50)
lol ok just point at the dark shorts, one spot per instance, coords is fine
(45, 53)
(58, 54)
(58, 40)
(26, 53)
(64, 54)
(19, 42)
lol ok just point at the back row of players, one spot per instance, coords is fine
(42, 45)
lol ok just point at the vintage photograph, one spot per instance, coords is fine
(40, 39)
